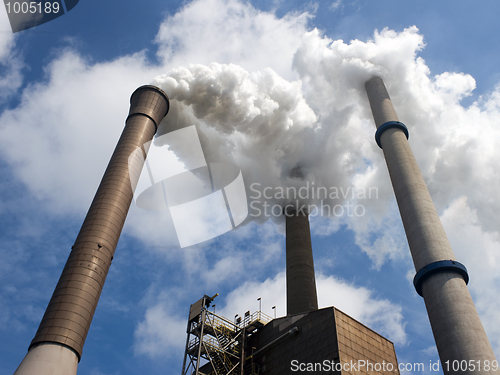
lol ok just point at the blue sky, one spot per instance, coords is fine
(64, 91)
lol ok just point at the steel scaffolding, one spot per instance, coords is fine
(215, 345)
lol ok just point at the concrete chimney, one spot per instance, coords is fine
(440, 279)
(301, 294)
(58, 343)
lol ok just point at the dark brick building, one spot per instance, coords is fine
(325, 341)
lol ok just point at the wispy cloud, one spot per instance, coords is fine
(336, 5)
(161, 333)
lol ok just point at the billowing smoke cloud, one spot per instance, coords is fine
(288, 152)
(317, 132)
(305, 142)
(258, 121)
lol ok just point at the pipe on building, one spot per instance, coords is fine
(301, 293)
(440, 279)
(58, 343)
(291, 332)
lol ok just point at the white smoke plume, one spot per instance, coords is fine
(258, 121)
(307, 141)
(317, 131)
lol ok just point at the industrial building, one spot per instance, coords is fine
(323, 341)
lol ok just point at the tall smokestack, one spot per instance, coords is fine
(440, 279)
(58, 343)
(301, 294)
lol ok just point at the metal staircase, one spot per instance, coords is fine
(215, 345)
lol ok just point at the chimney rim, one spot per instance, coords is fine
(151, 87)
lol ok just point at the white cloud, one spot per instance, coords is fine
(60, 137)
(383, 238)
(381, 315)
(230, 31)
(161, 333)
(272, 292)
(233, 259)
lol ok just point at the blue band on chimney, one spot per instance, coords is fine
(439, 266)
(388, 125)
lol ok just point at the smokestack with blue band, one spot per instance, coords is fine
(58, 343)
(441, 280)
